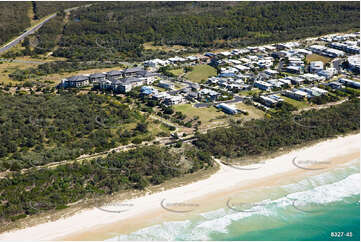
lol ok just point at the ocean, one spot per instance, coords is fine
(318, 207)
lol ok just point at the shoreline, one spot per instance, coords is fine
(95, 224)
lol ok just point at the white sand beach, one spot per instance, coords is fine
(95, 221)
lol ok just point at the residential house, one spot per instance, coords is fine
(295, 94)
(263, 85)
(316, 66)
(75, 81)
(114, 75)
(272, 73)
(349, 83)
(294, 69)
(328, 73)
(173, 100)
(133, 72)
(227, 108)
(97, 77)
(335, 85)
(268, 101)
(209, 94)
(166, 85)
(295, 80)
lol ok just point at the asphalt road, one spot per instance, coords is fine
(27, 33)
(32, 30)
(22, 61)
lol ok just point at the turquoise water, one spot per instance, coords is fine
(338, 217)
(313, 208)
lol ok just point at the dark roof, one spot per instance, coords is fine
(134, 69)
(130, 79)
(192, 94)
(78, 78)
(114, 73)
(97, 75)
(116, 82)
(151, 74)
(125, 80)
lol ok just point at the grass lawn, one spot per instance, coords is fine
(201, 72)
(177, 72)
(314, 57)
(253, 112)
(206, 115)
(7, 68)
(157, 127)
(250, 92)
(297, 104)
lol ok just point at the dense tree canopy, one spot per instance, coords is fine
(47, 128)
(122, 27)
(13, 19)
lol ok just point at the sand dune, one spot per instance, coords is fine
(96, 223)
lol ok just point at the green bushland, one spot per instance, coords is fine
(258, 137)
(40, 190)
(38, 129)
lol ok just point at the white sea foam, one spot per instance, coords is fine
(219, 220)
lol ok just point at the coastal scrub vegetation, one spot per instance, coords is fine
(118, 30)
(123, 27)
(257, 137)
(13, 20)
(38, 129)
(39, 190)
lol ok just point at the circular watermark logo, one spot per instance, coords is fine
(177, 165)
(178, 207)
(36, 43)
(307, 206)
(305, 122)
(113, 206)
(112, 165)
(41, 205)
(246, 167)
(245, 207)
(310, 164)
(104, 123)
